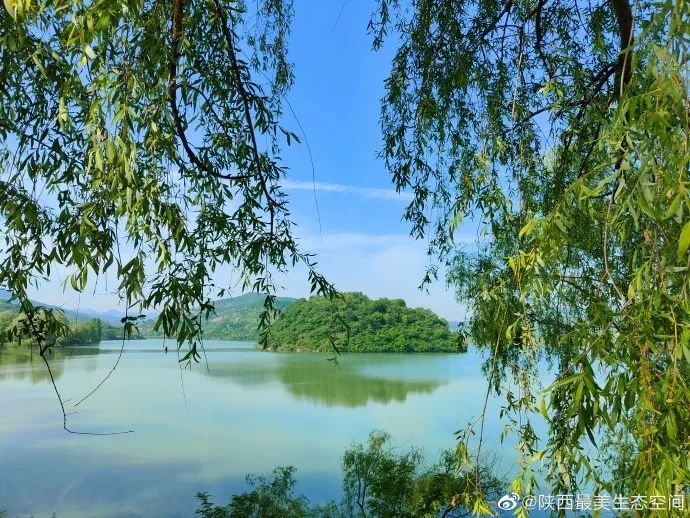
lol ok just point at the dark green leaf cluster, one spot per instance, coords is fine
(355, 323)
(273, 497)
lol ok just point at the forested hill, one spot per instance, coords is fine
(383, 325)
(235, 318)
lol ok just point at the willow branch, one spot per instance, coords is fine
(43, 348)
(492, 26)
(62, 406)
(540, 37)
(229, 41)
(177, 27)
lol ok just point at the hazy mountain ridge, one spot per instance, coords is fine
(111, 316)
(235, 318)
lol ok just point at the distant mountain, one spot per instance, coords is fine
(111, 316)
(236, 318)
(376, 325)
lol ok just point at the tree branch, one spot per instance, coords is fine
(247, 110)
(540, 37)
(492, 25)
(177, 29)
(624, 18)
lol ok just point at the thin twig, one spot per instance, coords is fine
(124, 331)
(342, 8)
(122, 348)
(184, 393)
(62, 407)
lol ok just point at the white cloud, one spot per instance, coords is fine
(367, 192)
(390, 265)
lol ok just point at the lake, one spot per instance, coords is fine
(204, 429)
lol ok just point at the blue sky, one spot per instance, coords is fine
(339, 84)
(364, 244)
(361, 242)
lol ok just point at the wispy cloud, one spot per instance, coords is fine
(353, 240)
(384, 265)
(367, 192)
(335, 242)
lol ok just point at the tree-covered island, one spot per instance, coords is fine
(356, 323)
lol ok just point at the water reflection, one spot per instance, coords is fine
(350, 383)
(312, 378)
(15, 359)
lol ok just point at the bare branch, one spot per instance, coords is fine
(624, 18)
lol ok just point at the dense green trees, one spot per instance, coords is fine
(379, 481)
(374, 325)
(353, 322)
(7, 313)
(88, 332)
(91, 331)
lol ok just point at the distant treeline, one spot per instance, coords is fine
(352, 322)
(80, 332)
(235, 318)
(357, 323)
(91, 332)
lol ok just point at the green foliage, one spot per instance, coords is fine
(235, 318)
(563, 128)
(379, 481)
(272, 497)
(353, 322)
(88, 332)
(8, 312)
(145, 123)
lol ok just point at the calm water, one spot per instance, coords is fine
(249, 412)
